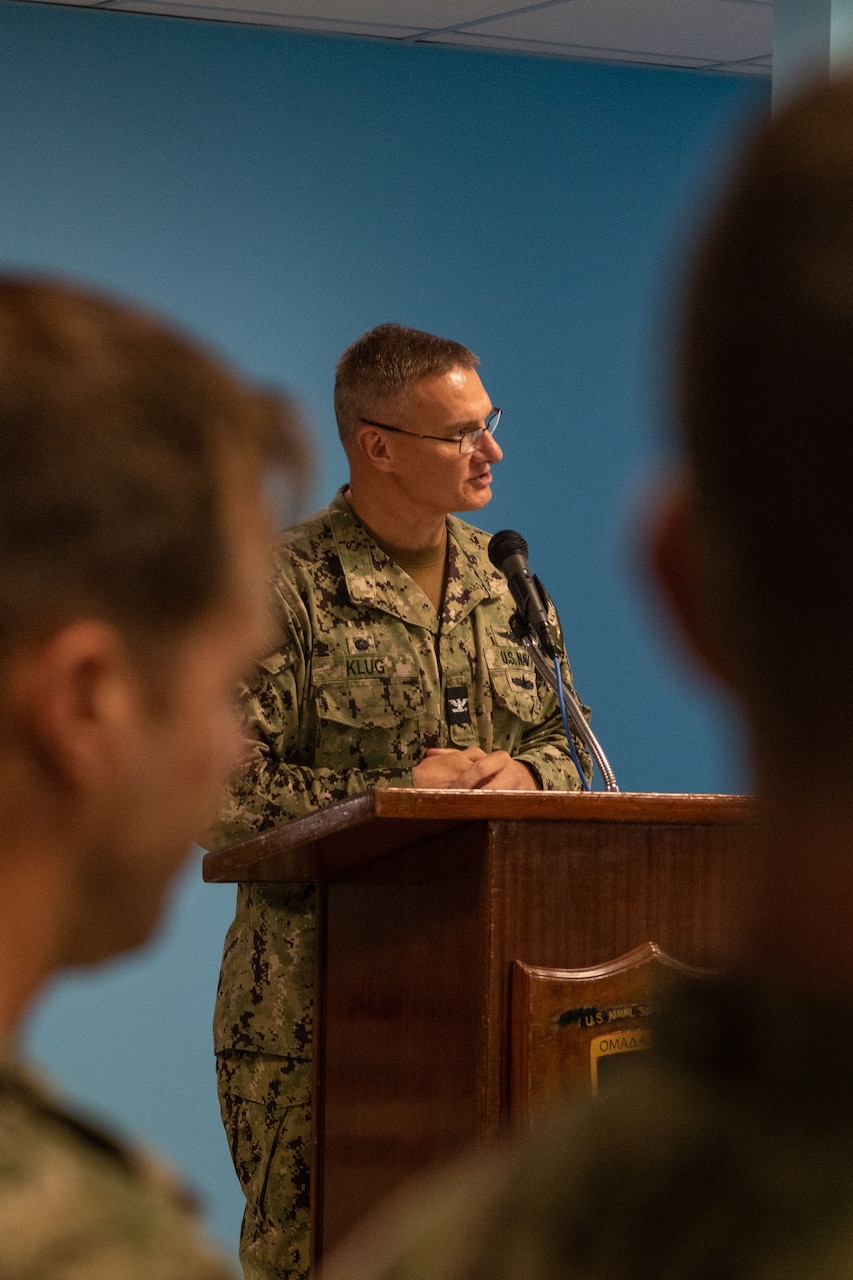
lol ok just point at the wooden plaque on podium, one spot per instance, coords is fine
(427, 898)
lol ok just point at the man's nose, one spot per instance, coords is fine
(488, 446)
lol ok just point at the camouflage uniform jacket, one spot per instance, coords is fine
(367, 677)
(361, 686)
(77, 1205)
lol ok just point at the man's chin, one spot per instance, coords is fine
(473, 499)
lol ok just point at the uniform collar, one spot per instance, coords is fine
(31, 1088)
(374, 579)
(22, 1079)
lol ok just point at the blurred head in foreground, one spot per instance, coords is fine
(133, 562)
(758, 551)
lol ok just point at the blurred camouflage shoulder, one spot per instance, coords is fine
(76, 1202)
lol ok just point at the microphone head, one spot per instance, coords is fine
(505, 544)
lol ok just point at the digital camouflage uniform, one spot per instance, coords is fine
(77, 1205)
(724, 1153)
(355, 695)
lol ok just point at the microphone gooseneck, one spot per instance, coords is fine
(508, 553)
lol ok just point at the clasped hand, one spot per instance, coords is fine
(471, 770)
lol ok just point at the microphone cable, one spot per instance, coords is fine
(561, 698)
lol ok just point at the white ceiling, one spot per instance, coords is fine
(730, 36)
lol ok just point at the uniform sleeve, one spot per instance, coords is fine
(544, 748)
(278, 779)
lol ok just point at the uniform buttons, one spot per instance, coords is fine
(361, 643)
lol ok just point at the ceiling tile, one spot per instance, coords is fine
(731, 36)
(722, 30)
(553, 49)
(260, 13)
(400, 14)
(740, 69)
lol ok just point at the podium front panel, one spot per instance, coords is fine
(413, 1052)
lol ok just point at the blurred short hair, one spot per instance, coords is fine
(115, 437)
(383, 364)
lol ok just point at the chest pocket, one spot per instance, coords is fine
(366, 717)
(515, 694)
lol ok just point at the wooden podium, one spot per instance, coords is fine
(426, 899)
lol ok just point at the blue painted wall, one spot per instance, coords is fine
(280, 194)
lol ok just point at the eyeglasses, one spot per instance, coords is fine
(467, 440)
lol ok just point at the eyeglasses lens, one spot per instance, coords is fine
(469, 441)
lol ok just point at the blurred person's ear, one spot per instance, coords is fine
(78, 702)
(680, 556)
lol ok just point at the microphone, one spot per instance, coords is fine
(508, 553)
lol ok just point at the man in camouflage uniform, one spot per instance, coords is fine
(728, 1152)
(397, 668)
(133, 596)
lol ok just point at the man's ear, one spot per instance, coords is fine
(678, 556)
(374, 446)
(77, 696)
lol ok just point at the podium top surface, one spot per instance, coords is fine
(334, 840)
